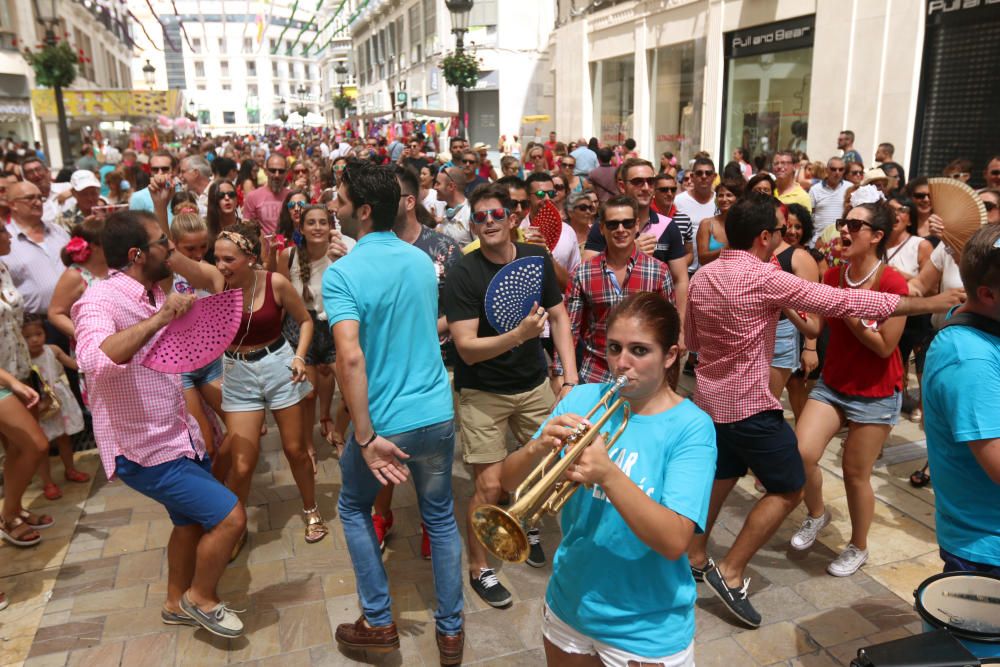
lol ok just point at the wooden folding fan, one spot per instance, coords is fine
(960, 209)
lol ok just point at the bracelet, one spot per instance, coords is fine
(370, 440)
(299, 358)
(809, 349)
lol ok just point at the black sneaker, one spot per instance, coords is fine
(490, 589)
(734, 598)
(698, 573)
(536, 556)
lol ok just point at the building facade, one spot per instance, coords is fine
(398, 46)
(102, 33)
(689, 75)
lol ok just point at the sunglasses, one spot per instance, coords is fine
(29, 198)
(627, 223)
(902, 209)
(780, 230)
(523, 204)
(853, 226)
(162, 241)
(497, 214)
(921, 195)
(835, 168)
(160, 170)
(668, 188)
(989, 206)
(639, 181)
(541, 194)
(468, 162)
(298, 171)
(995, 172)
(292, 204)
(568, 164)
(276, 171)
(703, 173)
(559, 188)
(585, 207)
(228, 194)
(855, 172)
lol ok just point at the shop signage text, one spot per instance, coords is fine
(945, 6)
(782, 36)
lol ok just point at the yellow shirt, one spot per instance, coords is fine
(475, 243)
(795, 196)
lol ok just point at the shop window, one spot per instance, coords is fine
(614, 98)
(676, 90)
(229, 117)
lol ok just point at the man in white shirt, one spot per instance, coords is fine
(699, 203)
(450, 186)
(827, 197)
(35, 171)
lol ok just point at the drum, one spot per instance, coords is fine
(967, 604)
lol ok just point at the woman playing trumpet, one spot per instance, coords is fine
(621, 589)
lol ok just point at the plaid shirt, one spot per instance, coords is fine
(591, 295)
(138, 412)
(732, 311)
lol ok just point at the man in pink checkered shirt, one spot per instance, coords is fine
(733, 308)
(143, 430)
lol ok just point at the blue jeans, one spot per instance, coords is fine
(431, 451)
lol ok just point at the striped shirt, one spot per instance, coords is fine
(732, 312)
(138, 413)
(36, 267)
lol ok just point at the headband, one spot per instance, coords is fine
(240, 241)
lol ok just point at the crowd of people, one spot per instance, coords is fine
(365, 265)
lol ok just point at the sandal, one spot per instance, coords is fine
(920, 478)
(316, 530)
(38, 522)
(74, 475)
(19, 533)
(51, 491)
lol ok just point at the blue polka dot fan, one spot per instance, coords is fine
(512, 291)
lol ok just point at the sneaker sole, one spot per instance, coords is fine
(374, 648)
(846, 574)
(535, 563)
(802, 548)
(499, 604)
(228, 634)
(187, 620)
(719, 595)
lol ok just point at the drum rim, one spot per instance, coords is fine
(927, 617)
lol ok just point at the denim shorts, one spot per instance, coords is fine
(264, 383)
(185, 487)
(860, 409)
(210, 372)
(765, 444)
(786, 346)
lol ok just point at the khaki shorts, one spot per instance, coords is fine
(484, 418)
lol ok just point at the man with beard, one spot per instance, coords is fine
(143, 430)
(264, 204)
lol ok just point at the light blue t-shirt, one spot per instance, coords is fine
(961, 392)
(586, 160)
(607, 583)
(141, 200)
(391, 288)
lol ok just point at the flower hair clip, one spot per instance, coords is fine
(866, 194)
(78, 249)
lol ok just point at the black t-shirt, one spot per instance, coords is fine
(521, 368)
(415, 163)
(669, 246)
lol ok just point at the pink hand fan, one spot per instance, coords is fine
(549, 222)
(198, 337)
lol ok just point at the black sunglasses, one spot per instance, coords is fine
(667, 188)
(160, 170)
(522, 204)
(639, 181)
(276, 171)
(994, 172)
(227, 194)
(627, 223)
(468, 162)
(589, 208)
(921, 195)
(989, 206)
(853, 226)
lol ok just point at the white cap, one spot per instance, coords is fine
(83, 179)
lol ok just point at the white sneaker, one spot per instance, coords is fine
(848, 562)
(805, 536)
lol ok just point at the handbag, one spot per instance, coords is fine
(48, 402)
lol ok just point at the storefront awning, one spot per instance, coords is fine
(108, 104)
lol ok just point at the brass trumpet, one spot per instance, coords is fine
(544, 491)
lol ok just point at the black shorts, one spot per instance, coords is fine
(765, 444)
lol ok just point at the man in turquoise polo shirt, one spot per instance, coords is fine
(382, 302)
(961, 385)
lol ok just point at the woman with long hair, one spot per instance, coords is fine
(621, 589)
(223, 210)
(861, 383)
(290, 217)
(262, 371)
(246, 179)
(712, 232)
(118, 188)
(567, 163)
(923, 216)
(303, 265)
(84, 259)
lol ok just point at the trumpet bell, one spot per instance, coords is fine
(500, 533)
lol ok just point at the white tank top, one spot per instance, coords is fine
(904, 256)
(316, 270)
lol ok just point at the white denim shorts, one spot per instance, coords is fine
(568, 640)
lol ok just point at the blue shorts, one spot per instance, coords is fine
(185, 487)
(263, 383)
(860, 409)
(210, 372)
(765, 444)
(786, 346)
(953, 563)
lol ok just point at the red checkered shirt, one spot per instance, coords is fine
(732, 311)
(592, 294)
(138, 413)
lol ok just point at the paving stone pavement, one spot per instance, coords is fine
(90, 594)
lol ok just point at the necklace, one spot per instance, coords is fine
(859, 283)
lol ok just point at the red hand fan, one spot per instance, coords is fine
(549, 222)
(198, 337)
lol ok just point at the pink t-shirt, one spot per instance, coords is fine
(264, 206)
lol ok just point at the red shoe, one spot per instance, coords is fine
(52, 492)
(74, 475)
(425, 543)
(382, 525)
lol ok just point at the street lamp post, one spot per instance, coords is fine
(341, 71)
(149, 73)
(459, 10)
(303, 110)
(49, 21)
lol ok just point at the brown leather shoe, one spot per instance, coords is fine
(361, 636)
(450, 647)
